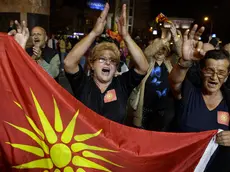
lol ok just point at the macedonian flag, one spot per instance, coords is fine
(162, 18)
(43, 128)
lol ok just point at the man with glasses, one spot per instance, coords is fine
(102, 91)
(206, 107)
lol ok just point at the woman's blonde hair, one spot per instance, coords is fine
(96, 51)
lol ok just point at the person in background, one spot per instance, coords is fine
(227, 48)
(102, 91)
(124, 51)
(62, 45)
(153, 106)
(215, 42)
(44, 56)
(68, 46)
(122, 67)
(206, 107)
(52, 42)
(12, 26)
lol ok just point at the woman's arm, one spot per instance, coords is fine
(72, 60)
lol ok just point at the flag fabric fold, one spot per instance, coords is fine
(44, 128)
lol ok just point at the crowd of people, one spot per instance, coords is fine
(183, 88)
(48, 53)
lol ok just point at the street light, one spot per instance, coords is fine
(206, 19)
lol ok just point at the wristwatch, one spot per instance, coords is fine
(184, 64)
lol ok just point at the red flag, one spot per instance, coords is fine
(44, 128)
(114, 35)
(162, 18)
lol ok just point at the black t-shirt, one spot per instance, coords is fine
(158, 109)
(110, 104)
(194, 116)
(156, 86)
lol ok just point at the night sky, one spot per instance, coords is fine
(182, 8)
(216, 10)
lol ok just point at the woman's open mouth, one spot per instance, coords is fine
(212, 84)
(106, 71)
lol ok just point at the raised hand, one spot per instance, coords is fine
(176, 39)
(37, 52)
(167, 37)
(21, 35)
(122, 23)
(192, 47)
(174, 32)
(101, 21)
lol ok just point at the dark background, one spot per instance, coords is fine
(216, 10)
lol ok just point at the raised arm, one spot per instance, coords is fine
(155, 46)
(191, 51)
(176, 40)
(72, 60)
(141, 64)
(22, 34)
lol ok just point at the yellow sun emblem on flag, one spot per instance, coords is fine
(224, 118)
(109, 96)
(59, 155)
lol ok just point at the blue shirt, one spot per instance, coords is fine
(193, 114)
(158, 109)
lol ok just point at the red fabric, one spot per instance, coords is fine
(162, 18)
(114, 35)
(223, 118)
(110, 96)
(137, 150)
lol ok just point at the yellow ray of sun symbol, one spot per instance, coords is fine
(58, 155)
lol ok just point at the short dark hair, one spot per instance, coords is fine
(216, 55)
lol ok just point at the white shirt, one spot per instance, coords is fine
(50, 43)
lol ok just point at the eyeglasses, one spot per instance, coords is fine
(211, 72)
(105, 60)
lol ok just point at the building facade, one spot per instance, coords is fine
(34, 12)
